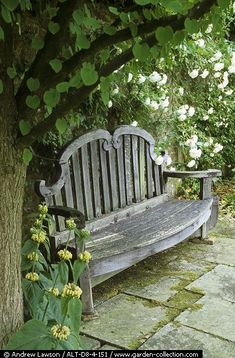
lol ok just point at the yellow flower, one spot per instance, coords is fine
(84, 234)
(33, 256)
(64, 254)
(85, 256)
(60, 332)
(70, 224)
(54, 291)
(32, 276)
(39, 237)
(43, 209)
(71, 290)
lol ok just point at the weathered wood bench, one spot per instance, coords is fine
(115, 188)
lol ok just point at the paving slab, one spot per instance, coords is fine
(107, 347)
(217, 283)
(173, 337)
(89, 343)
(211, 315)
(161, 291)
(126, 321)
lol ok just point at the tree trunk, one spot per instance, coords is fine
(12, 180)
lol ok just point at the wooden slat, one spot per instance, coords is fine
(95, 168)
(127, 166)
(68, 188)
(136, 174)
(78, 182)
(149, 173)
(156, 177)
(59, 201)
(86, 183)
(142, 168)
(121, 182)
(104, 178)
(113, 178)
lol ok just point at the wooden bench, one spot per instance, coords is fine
(113, 185)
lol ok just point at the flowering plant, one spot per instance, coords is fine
(52, 299)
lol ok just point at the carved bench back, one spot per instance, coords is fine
(101, 172)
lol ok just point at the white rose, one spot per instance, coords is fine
(141, 79)
(116, 90)
(191, 163)
(194, 73)
(231, 69)
(217, 74)
(204, 74)
(168, 161)
(191, 111)
(205, 117)
(159, 160)
(154, 105)
(209, 29)
(200, 43)
(210, 110)
(216, 56)
(218, 66)
(182, 117)
(181, 110)
(165, 103)
(110, 103)
(134, 124)
(130, 76)
(195, 153)
(147, 101)
(194, 138)
(181, 91)
(218, 147)
(163, 80)
(155, 77)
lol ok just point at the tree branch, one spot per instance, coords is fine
(74, 98)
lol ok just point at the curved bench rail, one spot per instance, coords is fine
(131, 130)
(110, 141)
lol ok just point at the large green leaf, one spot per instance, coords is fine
(27, 156)
(224, 3)
(82, 41)
(33, 84)
(51, 97)
(25, 127)
(53, 27)
(110, 30)
(33, 295)
(32, 335)
(88, 74)
(191, 26)
(56, 64)
(33, 101)
(78, 268)
(11, 72)
(141, 51)
(174, 5)
(10, 4)
(6, 15)
(75, 313)
(62, 87)
(37, 43)
(143, 2)
(29, 246)
(164, 34)
(63, 272)
(61, 125)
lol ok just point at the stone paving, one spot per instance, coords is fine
(183, 298)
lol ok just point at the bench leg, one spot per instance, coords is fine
(87, 299)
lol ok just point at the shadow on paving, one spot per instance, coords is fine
(183, 298)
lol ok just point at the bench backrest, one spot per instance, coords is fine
(101, 172)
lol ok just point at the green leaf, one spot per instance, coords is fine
(25, 127)
(191, 26)
(113, 10)
(75, 81)
(56, 65)
(51, 98)
(64, 305)
(78, 268)
(37, 43)
(63, 272)
(75, 313)
(6, 15)
(33, 101)
(27, 156)
(176, 6)
(33, 335)
(110, 30)
(133, 29)
(62, 87)
(1, 87)
(105, 83)
(179, 37)
(223, 4)
(53, 27)
(2, 35)
(10, 4)
(29, 246)
(82, 41)
(88, 74)
(11, 71)
(33, 84)
(141, 51)
(61, 125)
(142, 2)
(91, 22)
(164, 34)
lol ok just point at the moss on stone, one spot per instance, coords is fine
(197, 290)
(196, 306)
(183, 300)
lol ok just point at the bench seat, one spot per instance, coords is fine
(145, 233)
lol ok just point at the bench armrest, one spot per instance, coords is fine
(67, 212)
(210, 173)
(204, 176)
